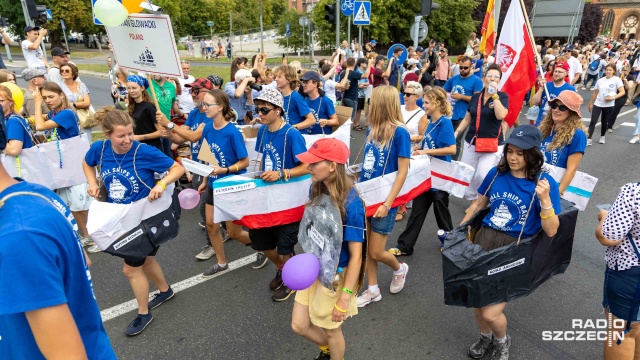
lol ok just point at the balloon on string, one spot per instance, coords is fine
(132, 6)
(16, 95)
(110, 12)
(189, 199)
(301, 271)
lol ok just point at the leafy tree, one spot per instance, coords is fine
(193, 18)
(295, 40)
(590, 24)
(456, 12)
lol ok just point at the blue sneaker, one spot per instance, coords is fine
(138, 324)
(160, 298)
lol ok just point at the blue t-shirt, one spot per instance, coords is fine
(17, 129)
(122, 184)
(464, 86)
(393, 75)
(68, 123)
(321, 108)
(509, 201)
(553, 93)
(227, 145)
(295, 108)
(560, 156)
(354, 78)
(375, 157)
(478, 65)
(438, 135)
(194, 120)
(43, 265)
(271, 146)
(353, 224)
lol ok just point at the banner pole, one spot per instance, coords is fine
(153, 93)
(533, 45)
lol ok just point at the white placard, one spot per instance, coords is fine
(196, 167)
(146, 43)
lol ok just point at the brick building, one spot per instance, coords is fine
(621, 18)
(302, 5)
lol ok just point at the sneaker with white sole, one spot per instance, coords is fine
(138, 324)
(216, 268)
(202, 225)
(584, 88)
(589, 142)
(160, 297)
(397, 282)
(367, 297)
(592, 88)
(261, 261)
(224, 234)
(87, 241)
(601, 141)
(634, 140)
(609, 130)
(93, 249)
(501, 350)
(206, 253)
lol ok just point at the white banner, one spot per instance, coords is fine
(579, 190)
(146, 43)
(452, 177)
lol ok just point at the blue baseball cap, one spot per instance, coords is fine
(525, 137)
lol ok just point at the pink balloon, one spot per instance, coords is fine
(301, 271)
(189, 198)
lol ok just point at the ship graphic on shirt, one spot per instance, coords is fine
(268, 164)
(369, 161)
(116, 190)
(501, 216)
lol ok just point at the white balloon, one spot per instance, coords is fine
(110, 12)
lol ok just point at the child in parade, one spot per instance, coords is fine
(319, 104)
(296, 110)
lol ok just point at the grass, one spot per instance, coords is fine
(101, 68)
(196, 71)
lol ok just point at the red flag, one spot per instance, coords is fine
(488, 29)
(516, 57)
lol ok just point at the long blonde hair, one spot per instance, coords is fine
(564, 134)
(385, 115)
(338, 186)
(438, 96)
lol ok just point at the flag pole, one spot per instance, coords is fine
(153, 93)
(533, 45)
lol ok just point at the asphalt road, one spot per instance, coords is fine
(232, 316)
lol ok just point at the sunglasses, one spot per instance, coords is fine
(408, 94)
(65, 71)
(464, 67)
(264, 110)
(195, 92)
(554, 106)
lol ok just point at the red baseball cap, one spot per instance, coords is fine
(201, 83)
(562, 65)
(330, 149)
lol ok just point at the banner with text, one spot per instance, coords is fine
(146, 43)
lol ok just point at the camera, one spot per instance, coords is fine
(255, 86)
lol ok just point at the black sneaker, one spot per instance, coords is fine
(282, 294)
(261, 261)
(276, 283)
(216, 268)
(323, 355)
(224, 234)
(160, 298)
(480, 347)
(501, 350)
(138, 324)
(202, 225)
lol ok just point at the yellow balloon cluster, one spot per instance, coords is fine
(16, 95)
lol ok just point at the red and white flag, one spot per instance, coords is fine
(516, 57)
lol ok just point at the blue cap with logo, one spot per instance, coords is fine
(525, 137)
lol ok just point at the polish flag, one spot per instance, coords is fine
(516, 57)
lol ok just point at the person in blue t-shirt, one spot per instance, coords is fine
(127, 169)
(227, 146)
(19, 135)
(296, 112)
(564, 136)
(349, 78)
(47, 305)
(315, 307)
(387, 149)
(523, 200)
(320, 105)
(478, 65)
(461, 87)
(392, 73)
(440, 143)
(62, 123)
(554, 88)
(279, 144)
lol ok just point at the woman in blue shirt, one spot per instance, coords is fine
(127, 169)
(522, 200)
(438, 142)
(387, 149)
(318, 314)
(564, 135)
(19, 134)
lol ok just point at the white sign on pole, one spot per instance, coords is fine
(145, 42)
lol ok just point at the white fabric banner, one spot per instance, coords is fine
(579, 190)
(40, 164)
(146, 43)
(452, 177)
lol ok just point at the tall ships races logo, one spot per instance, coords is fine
(146, 59)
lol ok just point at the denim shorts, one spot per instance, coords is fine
(384, 225)
(618, 290)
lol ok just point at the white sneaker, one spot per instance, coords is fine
(592, 88)
(367, 297)
(601, 140)
(94, 249)
(609, 130)
(206, 253)
(397, 282)
(86, 241)
(584, 88)
(633, 140)
(589, 142)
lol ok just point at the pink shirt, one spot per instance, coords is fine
(442, 70)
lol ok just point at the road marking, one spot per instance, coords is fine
(121, 309)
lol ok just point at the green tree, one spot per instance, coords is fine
(193, 18)
(456, 12)
(295, 40)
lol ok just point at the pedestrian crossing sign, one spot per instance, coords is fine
(362, 13)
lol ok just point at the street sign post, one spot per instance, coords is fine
(49, 15)
(362, 13)
(288, 33)
(347, 7)
(210, 25)
(419, 31)
(303, 21)
(64, 33)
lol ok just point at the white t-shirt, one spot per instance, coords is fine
(607, 87)
(54, 74)
(32, 57)
(575, 67)
(412, 125)
(329, 89)
(620, 64)
(185, 101)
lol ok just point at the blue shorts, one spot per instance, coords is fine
(383, 225)
(618, 290)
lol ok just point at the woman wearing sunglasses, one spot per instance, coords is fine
(76, 91)
(143, 111)
(564, 137)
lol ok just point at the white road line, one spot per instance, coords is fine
(121, 309)
(621, 114)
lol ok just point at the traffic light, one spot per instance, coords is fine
(37, 12)
(331, 13)
(427, 6)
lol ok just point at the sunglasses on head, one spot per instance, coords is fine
(554, 105)
(263, 110)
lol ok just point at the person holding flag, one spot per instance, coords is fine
(553, 89)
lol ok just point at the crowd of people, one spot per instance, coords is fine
(427, 106)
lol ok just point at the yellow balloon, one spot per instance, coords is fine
(16, 95)
(133, 6)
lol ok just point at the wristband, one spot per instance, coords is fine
(388, 207)
(237, 168)
(339, 309)
(547, 217)
(227, 171)
(162, 184)
(344, 289)
(547, 208)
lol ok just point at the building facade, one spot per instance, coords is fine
(621, 19)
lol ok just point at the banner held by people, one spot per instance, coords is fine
(579, 190)
(452, 177)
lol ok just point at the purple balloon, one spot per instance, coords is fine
(301, 271)
(189, 198)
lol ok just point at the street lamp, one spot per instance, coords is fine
(261, 30)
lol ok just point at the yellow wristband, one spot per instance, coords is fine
(162, 184)
(237, 168)
(338, 308)
(553, 212)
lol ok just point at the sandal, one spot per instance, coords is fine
(400, 215)
(397, 252)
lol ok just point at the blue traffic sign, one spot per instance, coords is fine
(288, 29)
(402, 57)
(95, 19)
(362, 13)
(347, 7)
(49, 15)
